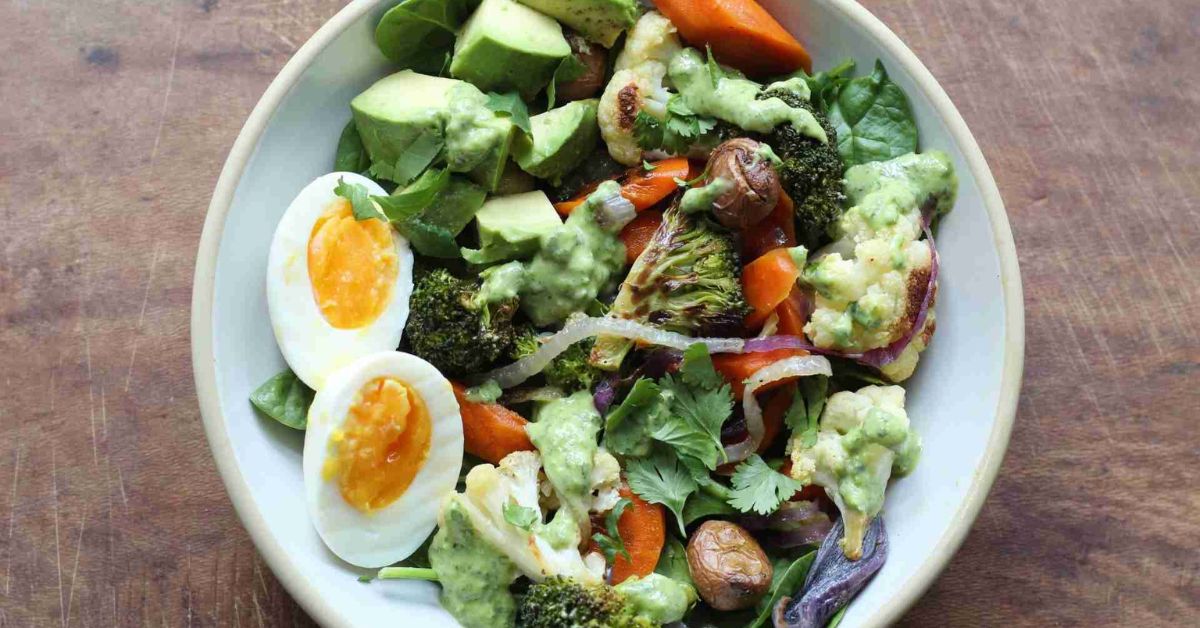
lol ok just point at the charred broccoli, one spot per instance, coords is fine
(451, 328)
(687, 280)
(811, 171)
(559, 602)
(570, 371)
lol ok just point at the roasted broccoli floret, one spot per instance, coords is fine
(570, 371)
(561, 602)
(687, 280)
(451, 328)
(811, 172)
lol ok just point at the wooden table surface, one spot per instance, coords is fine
(115, 118)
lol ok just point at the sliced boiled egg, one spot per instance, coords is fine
(384, 446)
(337, 287)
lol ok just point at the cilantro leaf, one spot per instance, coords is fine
(697, 368)
(661, 479)
(510, 104)
(360, 199)
(521, 516)
(612, 544)
(701, 411)
(803, 416)
(648, 167)
(688, 441)
(759, 488)
(647, 131)
(628, 427)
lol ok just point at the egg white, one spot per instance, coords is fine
(394, 532)
(312, 347)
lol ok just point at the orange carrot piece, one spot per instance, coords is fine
(737, 367)
(766, 282)
(643, 529)
(742, 34)
(644, 188)
(490, 430)
(638, 233)
(776, 230)
(792, 313)
(773, 413)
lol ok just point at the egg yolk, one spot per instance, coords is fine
(352, 265)
(382, 444)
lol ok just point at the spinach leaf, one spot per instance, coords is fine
(823, 86)
(511, 105)
(432, 211)
(351, 156)
(873, 119)
(703, 504)
(787, 581)
(568, 70)
(673, 563)
(284, 398)
(419, 34)
(836, 620)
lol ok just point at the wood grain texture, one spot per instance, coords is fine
(115, 117)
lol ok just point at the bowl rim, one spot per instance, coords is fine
(307, 593)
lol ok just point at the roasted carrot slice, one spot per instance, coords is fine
(638, 233)
(490, 431)
(643, 529)
(644, 188)
(741, 33)
(767, 282)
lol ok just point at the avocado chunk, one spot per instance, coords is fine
(419, 34)
(562, 139)
(511, 227)
(507, 46)
(601, 21)
(409, 121)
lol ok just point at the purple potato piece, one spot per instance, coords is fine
(605, 394)
(834, 580)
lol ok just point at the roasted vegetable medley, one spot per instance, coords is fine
(603, 316)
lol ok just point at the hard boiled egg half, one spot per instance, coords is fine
(384, 446)
(337, 287)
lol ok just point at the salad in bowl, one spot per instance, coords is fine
(603, 313)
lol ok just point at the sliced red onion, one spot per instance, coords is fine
(875, 357)
(605, 394)
(795, 524)
(800, 366)
(614, 211)
(833, 579)
(580, 328)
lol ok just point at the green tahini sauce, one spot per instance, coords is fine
(565, 435)
(735, 100)
(474, 576)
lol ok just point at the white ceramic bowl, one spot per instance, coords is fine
(962, 399)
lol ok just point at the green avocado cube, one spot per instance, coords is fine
(511, 227)
(601, 21)
(562, 138)
(506, 46)
(408, 121)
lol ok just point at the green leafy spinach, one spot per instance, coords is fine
(284, 398)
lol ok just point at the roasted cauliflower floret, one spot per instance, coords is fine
(863, 439)
(871, 282)
(637, 85)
